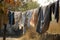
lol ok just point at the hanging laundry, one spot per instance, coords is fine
(39, 21)
(29, 15)
(52, 9)
(55, 9)
(11, 17)
(17, 17)
(34, 18)
(43, 19)
(23, 22)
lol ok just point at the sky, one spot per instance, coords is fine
(45, 2)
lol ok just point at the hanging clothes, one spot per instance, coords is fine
(34, 18)
(22, 22)
(17, 17)
(11, 18)
(55, 9)
(29, 15)
(43, 19)
(52, 9)
(39, 21)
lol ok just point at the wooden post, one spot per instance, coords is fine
(4, 34)
(5, 18)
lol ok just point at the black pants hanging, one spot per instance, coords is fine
(55, 9)
(45, 25)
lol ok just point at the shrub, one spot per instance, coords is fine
(25, 7)
(28, 6)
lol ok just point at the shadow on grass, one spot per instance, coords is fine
(14, 34)
(51, 37)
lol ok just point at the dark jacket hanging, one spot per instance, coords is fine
(43, 26)
(11, 18)
(57, 11)
(39, 21)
